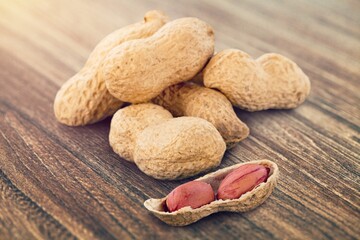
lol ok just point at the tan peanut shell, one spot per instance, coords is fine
(179, 148)
(84, 99)
(188, 99)
(246, 202)
(270, 82)
(129, 121)
(139, 70)
(199, 78)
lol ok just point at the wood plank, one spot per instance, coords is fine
(58, 182)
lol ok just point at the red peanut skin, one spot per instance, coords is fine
(194, 194)
(242, 180)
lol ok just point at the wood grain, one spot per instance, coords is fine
(58, 182)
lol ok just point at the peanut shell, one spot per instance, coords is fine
(84, 98)
(246, 202)
(139, 70)
(128, 122)
(270, 82)
(178, 148)
(188, 99)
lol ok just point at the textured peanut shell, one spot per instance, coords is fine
(199, 78)
(188, 99)
(178, 148)
(84, 99)
(246, 202)
(139, 70)
(270, 82)
(130, 121)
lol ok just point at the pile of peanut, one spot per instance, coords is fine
(173, 99)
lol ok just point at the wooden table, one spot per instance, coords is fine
(63, 182)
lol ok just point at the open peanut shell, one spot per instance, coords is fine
(246, 202)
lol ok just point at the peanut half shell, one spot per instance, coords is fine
(246, 202)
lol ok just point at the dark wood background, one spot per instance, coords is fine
(62, 182)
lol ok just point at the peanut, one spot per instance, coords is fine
(242, 180)
(245, 202)
(178, 148)
(129, 121)
(188, 99)
(84, 99)
(270, 82)
(139, 70)
(164, 147)
(193, 194)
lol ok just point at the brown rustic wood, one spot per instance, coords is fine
(58, 182)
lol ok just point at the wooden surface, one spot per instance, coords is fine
(62, 182)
